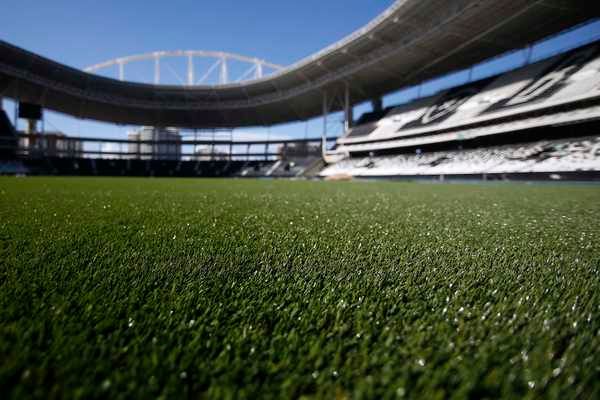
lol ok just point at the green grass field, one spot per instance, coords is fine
(215, 289)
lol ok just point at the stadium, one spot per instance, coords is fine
(410, 212)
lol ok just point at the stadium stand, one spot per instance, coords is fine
(8, 139)
(548, 157)
(255, 169)
(293, 167)
(132, 167)
(558, 98)
(9, 165)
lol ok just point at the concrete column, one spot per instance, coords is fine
(31, 126)
(325, 114)
(377, 104)
(348, 110)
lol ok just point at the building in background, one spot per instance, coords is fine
(202, 153)
(51, 144)
(155, 151)
(299, 150)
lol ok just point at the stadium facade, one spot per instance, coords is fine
(538, 106)
(542, 118)
(405, 45)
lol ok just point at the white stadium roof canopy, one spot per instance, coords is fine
(412, 41)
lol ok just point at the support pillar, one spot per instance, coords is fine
(195, 148)
(212, 145)
(31, 130)
(156, 70)
(348, 110)
(121, 71)
(31, 127)
(377, 104)
(190, 70)
(16, 115)
(325, 115)
(259, 70)
(224, 72)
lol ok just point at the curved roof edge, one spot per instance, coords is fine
(413, 40)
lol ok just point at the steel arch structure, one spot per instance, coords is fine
(258, 68)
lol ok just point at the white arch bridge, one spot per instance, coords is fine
(255, 68)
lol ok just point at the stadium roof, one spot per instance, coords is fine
(412, 41)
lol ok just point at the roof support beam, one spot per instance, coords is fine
(121, 71)
(190, 70)
(156, 70)
(348, 109)
(224, 73)
(325, 115)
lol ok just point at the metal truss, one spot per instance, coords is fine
(258, 68)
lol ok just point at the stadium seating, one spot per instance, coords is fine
(114, 167)
(523, 122)
(566, 155)
(292, 168)
(562, 88)
(7, 137)
(13, 168)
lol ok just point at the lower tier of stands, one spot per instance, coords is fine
(104, 167)
(549, 157)
(289, 168)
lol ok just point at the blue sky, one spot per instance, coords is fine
(84, 32)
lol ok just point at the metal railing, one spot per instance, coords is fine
(32, 146)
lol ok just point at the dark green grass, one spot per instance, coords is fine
(128, 288)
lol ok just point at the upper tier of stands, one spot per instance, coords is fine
(560, 90)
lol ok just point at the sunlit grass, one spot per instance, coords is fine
(277, 289)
